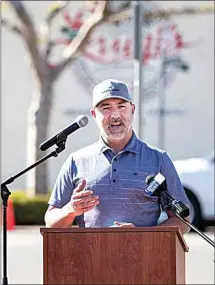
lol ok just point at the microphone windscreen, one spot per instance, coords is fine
(82, 121)
(149, 179)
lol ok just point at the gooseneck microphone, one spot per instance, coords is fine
(157, 187)
(80, 122)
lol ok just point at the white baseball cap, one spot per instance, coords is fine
(110, 88)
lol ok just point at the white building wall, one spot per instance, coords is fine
(187, 135)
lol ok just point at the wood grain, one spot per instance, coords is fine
(113, 257)
(180, 263)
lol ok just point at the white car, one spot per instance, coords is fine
(197, 177)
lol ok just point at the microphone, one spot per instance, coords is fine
(157, 187)
(154, 183)
(80, 122)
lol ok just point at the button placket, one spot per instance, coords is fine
(113, 173)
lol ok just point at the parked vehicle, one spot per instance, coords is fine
(197, 177)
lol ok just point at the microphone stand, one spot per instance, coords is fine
(5, 193)
(180, 211)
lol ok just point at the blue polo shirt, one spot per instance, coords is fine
(119, 181)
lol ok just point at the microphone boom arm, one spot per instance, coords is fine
(170, 204)
(5, 193)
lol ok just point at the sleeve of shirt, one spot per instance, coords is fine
(174, 184)
(64, 186)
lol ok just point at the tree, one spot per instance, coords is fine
(46, 74)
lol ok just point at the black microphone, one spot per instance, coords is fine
(154, 184)
(80, 122)
(157, 187)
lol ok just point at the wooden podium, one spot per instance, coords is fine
(152, 255)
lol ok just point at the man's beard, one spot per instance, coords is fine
(116, 130)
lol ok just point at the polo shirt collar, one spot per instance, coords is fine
(132, 146)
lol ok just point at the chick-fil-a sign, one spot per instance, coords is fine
(109, 53)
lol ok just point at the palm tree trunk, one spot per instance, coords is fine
(38, 123)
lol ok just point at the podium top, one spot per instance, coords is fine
(118, 230)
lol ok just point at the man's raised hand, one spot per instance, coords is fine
(82, 199)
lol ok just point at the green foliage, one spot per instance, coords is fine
(29, 211)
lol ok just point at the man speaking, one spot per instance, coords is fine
(102, 185)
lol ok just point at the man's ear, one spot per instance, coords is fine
(93, 113)
(133, 108)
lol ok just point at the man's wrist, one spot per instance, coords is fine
(68, 210)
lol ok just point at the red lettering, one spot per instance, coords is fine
(158, 42)
(178, 41)
(147, 48)
(116, 46)
(102, 48)
(77, 21)
(169, 44)
(127, 49)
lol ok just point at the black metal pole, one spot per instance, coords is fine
(4, 279)
(195, 229)
(168, 204)
(5, 193)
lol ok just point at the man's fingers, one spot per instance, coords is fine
(90, 198)
(80, 186)
(88, 208)
(126, 225)
(86, 199)
(123, 225)
(82, 200)
(82, 194)
(83, 207)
